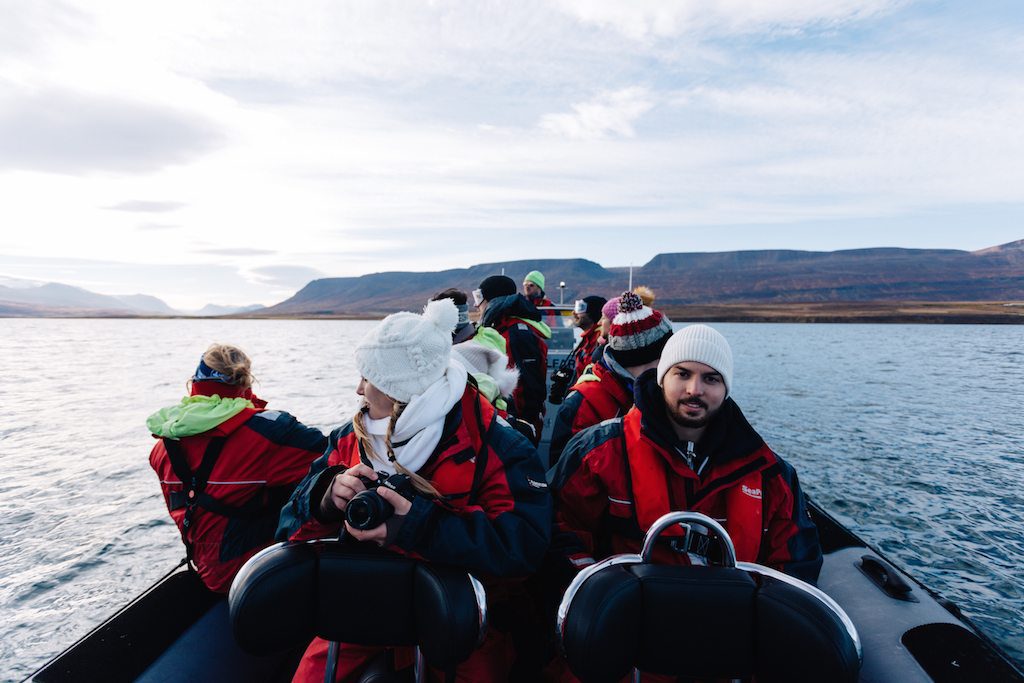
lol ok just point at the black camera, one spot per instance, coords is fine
(367, 509)
(560, 381)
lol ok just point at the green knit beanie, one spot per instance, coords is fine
(536, 277)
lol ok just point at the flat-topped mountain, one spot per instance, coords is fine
(382, 293)
(681, 279)
(733, 285)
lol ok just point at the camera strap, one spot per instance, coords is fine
(569, 362)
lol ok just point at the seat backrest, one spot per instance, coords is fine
(703, 622)
(290, 592)
(799, 638)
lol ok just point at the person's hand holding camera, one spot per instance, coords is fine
(384, 533)
(344, 487)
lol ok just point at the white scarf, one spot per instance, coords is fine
(419, 427)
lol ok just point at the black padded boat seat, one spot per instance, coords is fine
(350, 593)
(702, 622)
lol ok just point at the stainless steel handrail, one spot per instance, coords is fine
(481, 607)
(580, 579)
(685, 520)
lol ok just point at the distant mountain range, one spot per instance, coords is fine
(25, 298)
(734, 277)
(679, 279)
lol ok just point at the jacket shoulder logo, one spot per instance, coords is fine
(753, 493)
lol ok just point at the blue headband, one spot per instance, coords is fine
(204, 373)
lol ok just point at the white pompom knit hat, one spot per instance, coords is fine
(701, 344)
(406, 353)
(477, 358)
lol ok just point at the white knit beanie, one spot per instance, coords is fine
(406, 353)
(701, 344)
(476, 357)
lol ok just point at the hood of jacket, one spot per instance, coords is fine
(211, 407)
(514, 306)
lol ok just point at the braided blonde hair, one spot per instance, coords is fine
(421, 484)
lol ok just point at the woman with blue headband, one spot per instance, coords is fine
(227, 465)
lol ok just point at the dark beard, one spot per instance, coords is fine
(689, 422)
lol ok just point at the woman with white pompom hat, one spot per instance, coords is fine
(419, 417)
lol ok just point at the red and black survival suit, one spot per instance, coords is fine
(494, 519)
(239, 474)
(586, 347)
(598, 395)
(519, 322)
(606, 501)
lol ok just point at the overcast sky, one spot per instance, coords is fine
(229, 152)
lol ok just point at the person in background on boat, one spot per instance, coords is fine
(519, 322)
(482, 355)
(646, 295)
(420, 417)
(608, 312)
(636, 337)
(484, 359)
(685, 445)
(533, 289)
(464, 329)
(586, 313)
(239, 461)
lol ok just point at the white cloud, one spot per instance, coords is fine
(609, 114)
(288, 277)
(653, 19)
(342, 136)
(68, 132)
(146, 206)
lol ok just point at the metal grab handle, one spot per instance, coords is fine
(578, 581)
(685, 519)
(481, 607)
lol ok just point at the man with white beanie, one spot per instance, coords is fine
(685, 445)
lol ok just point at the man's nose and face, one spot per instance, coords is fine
(693, 393)
(531, 290)
(479, 301)
(582, 320)
(579, 315)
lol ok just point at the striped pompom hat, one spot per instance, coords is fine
(638, 333)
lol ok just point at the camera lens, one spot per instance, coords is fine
(367, 510)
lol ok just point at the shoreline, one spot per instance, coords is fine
(872, 312)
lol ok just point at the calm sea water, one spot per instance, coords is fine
(911, 435)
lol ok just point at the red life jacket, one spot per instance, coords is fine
(224, 488)
(585, 354)
(531, 392)
(603, 396)
(736, 503)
